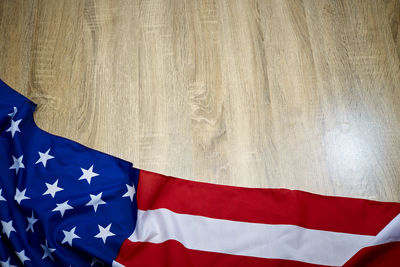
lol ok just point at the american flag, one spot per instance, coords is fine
(64, 204)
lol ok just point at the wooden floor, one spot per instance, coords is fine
(294, 94)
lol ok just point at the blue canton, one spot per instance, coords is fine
(61, 203)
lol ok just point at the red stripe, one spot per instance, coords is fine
(272, 206)
(386, 255)
(174, 254)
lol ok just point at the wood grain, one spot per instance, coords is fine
(294, 94)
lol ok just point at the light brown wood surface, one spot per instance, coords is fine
(294, 94)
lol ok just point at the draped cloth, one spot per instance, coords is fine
(64, 204)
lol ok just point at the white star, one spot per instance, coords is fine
(12, 114)
(17, 164)
(95, 260)
(52, 189)
(88, 174)
(20, 195)
(47, 251)
(6, 263)
(104, 232)
(69, 236)
(62, 207)
(131, 191)
(95, 201)
(22, 257)
(31, 222)
(1, 197)
(44, 157)
(14, 127)
(7, 228)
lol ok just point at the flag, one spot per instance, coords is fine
(64, 204)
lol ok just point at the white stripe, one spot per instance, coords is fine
(272, 241)
(117, 264)
(391, 233)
